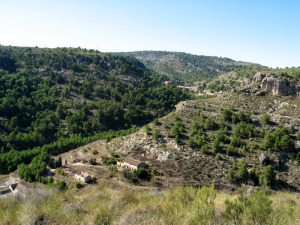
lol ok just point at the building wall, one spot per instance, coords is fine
(127, 165)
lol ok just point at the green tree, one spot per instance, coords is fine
(267, 177)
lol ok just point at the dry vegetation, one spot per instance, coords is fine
(110, 203)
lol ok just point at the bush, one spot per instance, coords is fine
(191, 142)
(210, 124)
(298, 157)
(242, 171)
(142, 174)
(155, 134)
(216, 148)
(78, 185)
(204, 149)
(298, 136)
(267, 177)
(109, 160)
(265, 118)
(204, 204)
(256, 209)
(231, 175)
(128, 174)
(95, 152)
(147, 130)
(235, 141)
(231, 150)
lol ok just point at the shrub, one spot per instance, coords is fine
(242, 171)
(60, 185)
(204, 204)
(227, 114)
(231, 175)
(256, 209)
(155, 134)
(109, 160)
(298, 136)
(147, 130)
(298, 157)
(265, 118)
(204, 149)
(216, 146)
(231, 150)
(78, 185)
(156, 121)
(191, 142)
(210, 124)
(235, 141)
(95, 152)
(142, 174)
(128, 174)
(267, 177)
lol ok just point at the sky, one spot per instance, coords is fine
(260, 31)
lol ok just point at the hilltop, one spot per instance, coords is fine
(185, 68)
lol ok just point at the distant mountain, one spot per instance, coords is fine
(187, 68)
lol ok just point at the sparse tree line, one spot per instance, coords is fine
(234, 133)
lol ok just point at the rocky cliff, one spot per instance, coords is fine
(275, 84)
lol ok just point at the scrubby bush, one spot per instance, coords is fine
(155, 134)
(231, 150)
(267, 177)
(191, 142)
(142, 174)
(78, 185)
(227, 114)
(109, 160)
(242, 171)
(95, 152)
(204, 149)
(265, 118)
(255, 209)
(210, 124)
(235, 141)
(216, 147)
(147, 130)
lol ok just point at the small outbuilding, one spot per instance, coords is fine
(132, 164)
(83, 177)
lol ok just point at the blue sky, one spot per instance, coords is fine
(260, 31)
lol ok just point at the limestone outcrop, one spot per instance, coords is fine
(275, 84)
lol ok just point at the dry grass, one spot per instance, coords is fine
(111, 204)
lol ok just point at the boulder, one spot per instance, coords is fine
(263, 158)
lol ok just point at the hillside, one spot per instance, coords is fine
(184, 68)
(205, 139)
(53, 100)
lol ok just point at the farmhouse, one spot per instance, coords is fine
(83, 177)
(132, 164)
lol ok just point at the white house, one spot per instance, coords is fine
(132, 164)
(83, 177)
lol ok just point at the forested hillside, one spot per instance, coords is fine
(183, 68)
(56, 99)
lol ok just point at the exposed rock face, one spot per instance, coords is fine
(275, 84)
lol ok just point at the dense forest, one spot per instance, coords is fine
(56, 99)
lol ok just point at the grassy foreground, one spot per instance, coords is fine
(111, 204)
